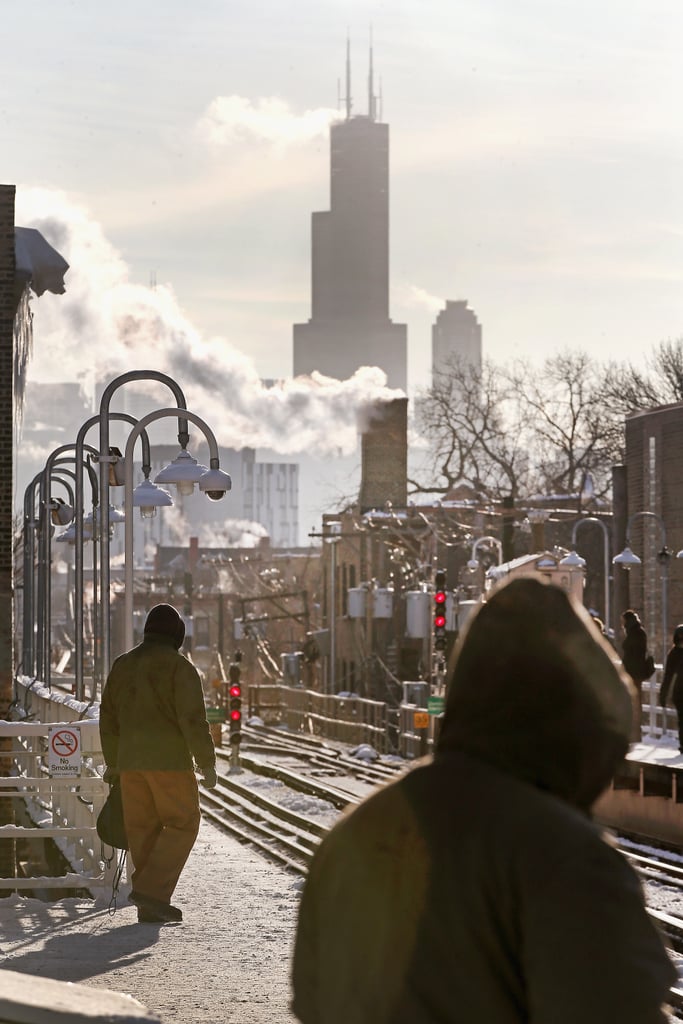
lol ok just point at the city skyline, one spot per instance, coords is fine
(533, 165)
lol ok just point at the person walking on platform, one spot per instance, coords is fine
(153, 728)
(476, 888)
(634, 649)
(673, 680)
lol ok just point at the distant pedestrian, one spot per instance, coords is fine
(634, 649)
(673, 680)
(153, 728)
(476, 889)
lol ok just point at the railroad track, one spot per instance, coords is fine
(320, 755)
(284, 835)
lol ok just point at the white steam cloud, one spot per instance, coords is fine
(228, 119)
(414, 296)
(104, 325)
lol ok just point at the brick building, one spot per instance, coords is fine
(654, 484)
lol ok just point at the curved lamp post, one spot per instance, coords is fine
(214, 482)
(56, 512)
(574, 560)
(101, 533)
(473, 562)
(44, 581)
(106, 458)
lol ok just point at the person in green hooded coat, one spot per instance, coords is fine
(476, 889)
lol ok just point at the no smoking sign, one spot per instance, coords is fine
(64, 751)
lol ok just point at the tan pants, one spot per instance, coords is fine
(161, 813)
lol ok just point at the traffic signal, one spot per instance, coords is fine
(235, 703)
(439, 617)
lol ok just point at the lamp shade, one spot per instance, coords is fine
(184, 472)
(68, 536)
(148, 497)
(573, 561)
(626, 558)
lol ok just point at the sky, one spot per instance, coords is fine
(535, 172)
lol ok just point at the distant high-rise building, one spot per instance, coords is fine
(350, 324)
(456, 337)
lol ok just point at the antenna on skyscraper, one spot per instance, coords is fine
(347, 98)
(372, 99)
(379, 102)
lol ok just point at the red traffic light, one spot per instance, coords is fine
(440, 597)
(439, 621)
(235, 715)
(235, 690)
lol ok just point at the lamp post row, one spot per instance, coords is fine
(184, 471)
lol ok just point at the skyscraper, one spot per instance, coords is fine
(350, 324)
(456, 336)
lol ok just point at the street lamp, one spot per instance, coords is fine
(44, 559)
(574, 560)
(51, 512)
(110, 467)
(213, 482)
(628, 559)
(473, 563)
(105, 459)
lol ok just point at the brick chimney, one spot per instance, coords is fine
(384, 457)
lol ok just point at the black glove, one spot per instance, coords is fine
(111, 776)
(209, 779)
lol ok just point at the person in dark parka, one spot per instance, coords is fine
(673, 680)
(476, 888)
(153, 729)
(634, 649)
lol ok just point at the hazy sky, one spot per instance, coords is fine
(535, 164)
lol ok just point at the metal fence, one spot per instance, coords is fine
(50, 734)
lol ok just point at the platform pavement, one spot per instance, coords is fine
(227, 963)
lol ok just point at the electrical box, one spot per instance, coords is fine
(463, 610)
(415, 693)
(417, 613)
(290, 665)
(356, 597)
(382, 603)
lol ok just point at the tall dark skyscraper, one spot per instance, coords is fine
(350, 325)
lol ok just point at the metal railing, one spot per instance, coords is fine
(62, 809)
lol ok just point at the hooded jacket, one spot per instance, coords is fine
(476, 888)
(152, 713)
(634, 648)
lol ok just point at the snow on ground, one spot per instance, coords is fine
(227, 962)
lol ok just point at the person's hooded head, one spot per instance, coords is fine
(164, 620)
(630, 619)
(533, 691)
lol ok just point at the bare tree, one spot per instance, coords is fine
(557, 428)
(572, 438)
(627, 388)
(469, 419)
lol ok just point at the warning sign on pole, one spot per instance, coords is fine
(64, 751)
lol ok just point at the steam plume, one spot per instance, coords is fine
(105, 325)
(233, 118)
